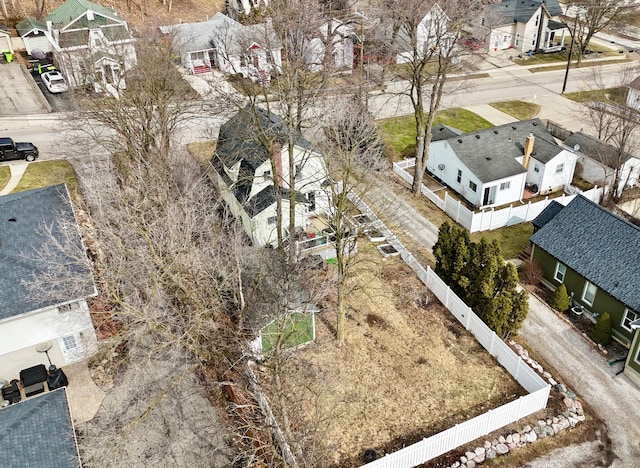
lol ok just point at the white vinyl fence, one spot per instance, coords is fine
(487, 219)
(482, 425)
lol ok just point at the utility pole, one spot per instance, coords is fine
(566, 73)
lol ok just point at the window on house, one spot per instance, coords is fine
(298, 173)
(505, 185)
(271, 220)
(69, 342)
(637, 359)
(628, 317)
(559, 168)
(473, 186)
(536, 168)
(243, 61)
(533, 41)
(517, 38)
(266, 175)
(311, 201)
(589, 293)
(560, 272)
(537, 20)
(482, 22)
(459, 178)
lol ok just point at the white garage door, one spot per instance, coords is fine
(37, 42)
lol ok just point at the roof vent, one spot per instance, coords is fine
(495, 131)
(535, 124)
(513, 127)
(459, 140)
(478, 137)
(12, 220)
(488, 158)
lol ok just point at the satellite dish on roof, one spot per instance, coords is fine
(38, 54)
(576, 147)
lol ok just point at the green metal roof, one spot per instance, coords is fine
(27, 25)
(71, 10)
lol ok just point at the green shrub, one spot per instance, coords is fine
(560, 299)
(601, 333)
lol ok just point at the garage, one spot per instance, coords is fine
(34, 34)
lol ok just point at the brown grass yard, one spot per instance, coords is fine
(407, 371)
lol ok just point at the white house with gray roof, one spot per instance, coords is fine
(524, 25)
(490, 167)
(248, 178)
(33, 226)
(253, 51)
(604, 165)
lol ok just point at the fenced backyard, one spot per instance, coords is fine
(488, 219)
(463, 433)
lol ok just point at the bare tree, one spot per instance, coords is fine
(617, 122)
(353, 152)
(593, 16)
(424, 36)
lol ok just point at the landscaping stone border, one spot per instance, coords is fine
(511, 441)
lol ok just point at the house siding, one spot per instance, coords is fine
(603, 302)
(20, 335)
(548, 180)
(632, 365)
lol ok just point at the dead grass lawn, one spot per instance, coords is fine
(407, 371)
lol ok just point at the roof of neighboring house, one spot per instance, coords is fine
(490, 153)
(635, 84)
(242, 137)
(38, 432)
(191, 37)
(521, 11)
(442, 132)
(24, 219)
(596, 149)
(220, 32)
(28, 25)
(71, 10)
(547, 214)
(267, 197)
(598, 245)
(266, 294)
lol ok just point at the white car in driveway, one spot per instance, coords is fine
(54, 82)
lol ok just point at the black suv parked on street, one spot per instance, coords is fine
(10, 149)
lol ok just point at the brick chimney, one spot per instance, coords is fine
(528, 149)
(277, 156)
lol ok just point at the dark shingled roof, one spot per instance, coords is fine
(598, 245)
(596, 149)
(267, 197)
(38, 432)
(240, 136)
(490, 153)
(521, 11)
(442, 132)
(23, 217)
(547, 214)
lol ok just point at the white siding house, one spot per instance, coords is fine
(59, 317)
(248, 180)
(340, 37)
(491, 167)
(252, 51)
(600, 162)
(91, 44)
(523, 25)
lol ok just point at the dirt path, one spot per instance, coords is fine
(613, 398)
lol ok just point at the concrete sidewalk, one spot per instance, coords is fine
(17, 171)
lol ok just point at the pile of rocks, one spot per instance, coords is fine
(527, 434)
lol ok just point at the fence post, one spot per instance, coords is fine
(493, 337)
(446, 298)
(526, 216)
(467, 324)
(491, 219)
(458, 212)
